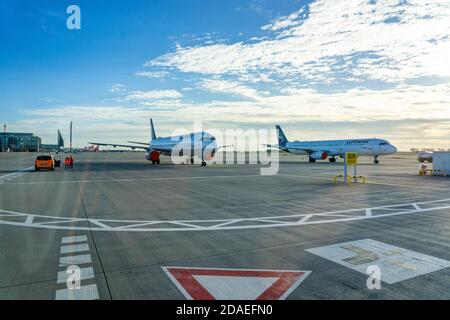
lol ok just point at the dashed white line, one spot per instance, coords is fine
(74, 239)
(88, 292)
(74, 248)
(85, 273)
(77, 260)
(81, 292)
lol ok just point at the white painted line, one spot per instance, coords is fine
(73, 239)
(142, 179)
(274, 221)
(88, 292)
(368, 182)
(74, 248)
(29, 219)
(75, 260)
(226, 223)
(85, 273)
(13, 174)
(99, 224)
(230, 224)
(137, 225)
(304, 219)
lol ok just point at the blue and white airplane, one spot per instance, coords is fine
(200, 144)
(323, 149)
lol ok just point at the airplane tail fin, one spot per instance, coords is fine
(152, 128)
(282, 140)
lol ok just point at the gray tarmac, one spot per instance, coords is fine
(130, 218)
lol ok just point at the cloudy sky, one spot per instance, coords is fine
(324, 69)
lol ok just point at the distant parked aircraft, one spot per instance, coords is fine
(92, 148)
(199, 143)
(423, 156)
(323, 149)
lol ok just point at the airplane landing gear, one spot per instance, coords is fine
(312, 160)
(332, 159)
(192, 160)
(375, 160)
(203, 164)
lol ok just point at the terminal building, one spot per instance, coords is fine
(27, 142)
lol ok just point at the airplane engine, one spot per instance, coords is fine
(152, 156)
(209, 154)
(319, 155)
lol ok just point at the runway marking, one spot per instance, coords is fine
(369, 182)
(396, 264)
(75, 248)
(56, 223)
(85, 273)
(88, 292)
(222, 177)
(83, 292)
(138, 179)
(13, 175)
(78, 259)
(235, 284)
(74, 239)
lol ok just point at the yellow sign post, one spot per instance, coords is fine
(351, 159)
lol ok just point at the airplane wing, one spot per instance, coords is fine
(227, 146)
(120, 145)
(274, 146)
(146, 148)
(143, 143)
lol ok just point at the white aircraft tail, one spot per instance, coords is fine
(282, 140)
(152, 128)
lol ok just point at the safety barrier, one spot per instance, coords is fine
(432, 172)
(350, 178)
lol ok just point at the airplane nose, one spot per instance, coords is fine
(394, 149)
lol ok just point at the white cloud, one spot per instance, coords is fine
(230, 87)
(381, 40)
(352, 42)
(152, 74)
(153, 94)
(407, 115)
(117, 88)
(284, 22)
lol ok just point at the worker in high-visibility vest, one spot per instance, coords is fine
(71, 162)
(66, 163)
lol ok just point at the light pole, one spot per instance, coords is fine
(4, 137)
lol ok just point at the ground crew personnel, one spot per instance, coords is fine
(66, 163)
(71, 162)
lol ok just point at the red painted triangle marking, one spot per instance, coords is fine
(187, 281)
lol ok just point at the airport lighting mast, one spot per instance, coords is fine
(4, 137)
(70, 137)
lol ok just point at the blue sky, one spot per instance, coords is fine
(324, 69)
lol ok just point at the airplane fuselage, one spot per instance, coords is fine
(188, 145)
(363, 147)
